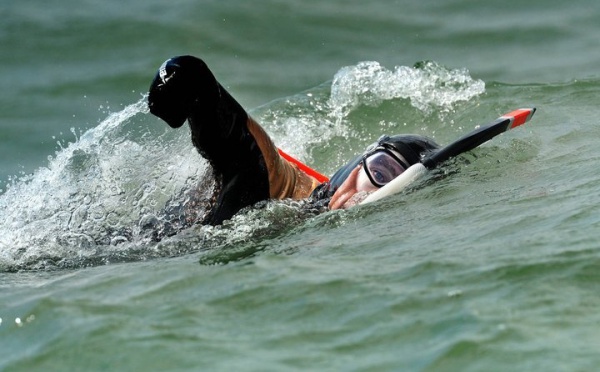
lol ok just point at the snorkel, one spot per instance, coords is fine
(466, 143)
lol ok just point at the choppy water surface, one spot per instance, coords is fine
(490, 263)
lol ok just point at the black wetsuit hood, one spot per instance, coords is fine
(411, 146)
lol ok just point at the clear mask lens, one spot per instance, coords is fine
(382, 166)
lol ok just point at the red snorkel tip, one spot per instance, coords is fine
(519, 117)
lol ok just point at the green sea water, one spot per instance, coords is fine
(490, 263)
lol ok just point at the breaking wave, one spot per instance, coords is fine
(132, 189)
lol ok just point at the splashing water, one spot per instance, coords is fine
(124, 185)
(102, 190)
(427, 85)
(312, 118)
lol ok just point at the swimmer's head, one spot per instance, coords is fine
(179, 84)
(379, 164)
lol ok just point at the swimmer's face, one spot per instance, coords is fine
(379, 167)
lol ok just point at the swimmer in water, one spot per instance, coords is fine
(247, 165)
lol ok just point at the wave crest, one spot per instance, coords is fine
(428, 85)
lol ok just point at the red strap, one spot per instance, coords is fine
(304, 168)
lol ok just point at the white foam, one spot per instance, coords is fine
(95, 191)
(428, 86)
